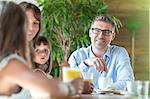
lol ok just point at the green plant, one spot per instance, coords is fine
(66, 23)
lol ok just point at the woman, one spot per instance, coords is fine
(34, 16)
(14, 59)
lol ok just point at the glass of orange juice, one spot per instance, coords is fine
(88, 77)
(70, 74)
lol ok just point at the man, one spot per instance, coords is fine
(101, 58)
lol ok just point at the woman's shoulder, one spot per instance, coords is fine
(5, 59)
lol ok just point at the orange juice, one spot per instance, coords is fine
(70, 74)
(88, 77)
(89, 81)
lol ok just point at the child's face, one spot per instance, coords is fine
(41, 53)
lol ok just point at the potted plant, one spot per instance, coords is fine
(66, 23)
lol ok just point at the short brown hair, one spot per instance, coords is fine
(41, 39)
(105, 18)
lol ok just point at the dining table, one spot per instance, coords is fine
(97, 96)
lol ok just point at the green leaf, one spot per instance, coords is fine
(72, 18)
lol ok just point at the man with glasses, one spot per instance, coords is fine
(101, 58)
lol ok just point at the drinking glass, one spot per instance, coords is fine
(138, 88)
(143, 89)
(88, 77)
(70, 74)
(105, 83)
(133, 88)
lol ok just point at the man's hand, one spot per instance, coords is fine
(98, 63)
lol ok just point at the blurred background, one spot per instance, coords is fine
(134, 36)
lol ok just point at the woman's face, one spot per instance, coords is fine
(33, 25)
(41, 53)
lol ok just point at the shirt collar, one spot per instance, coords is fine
(107, 54)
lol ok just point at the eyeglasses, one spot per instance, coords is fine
(97, 31)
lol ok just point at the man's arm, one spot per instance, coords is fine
(76, 61)
(124, 70)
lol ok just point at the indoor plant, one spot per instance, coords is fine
(66, 24)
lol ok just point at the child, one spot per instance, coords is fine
(42, 55)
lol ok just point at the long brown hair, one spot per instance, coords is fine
(12, 29)
(36, 12)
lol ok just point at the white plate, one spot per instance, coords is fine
(109, 91)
